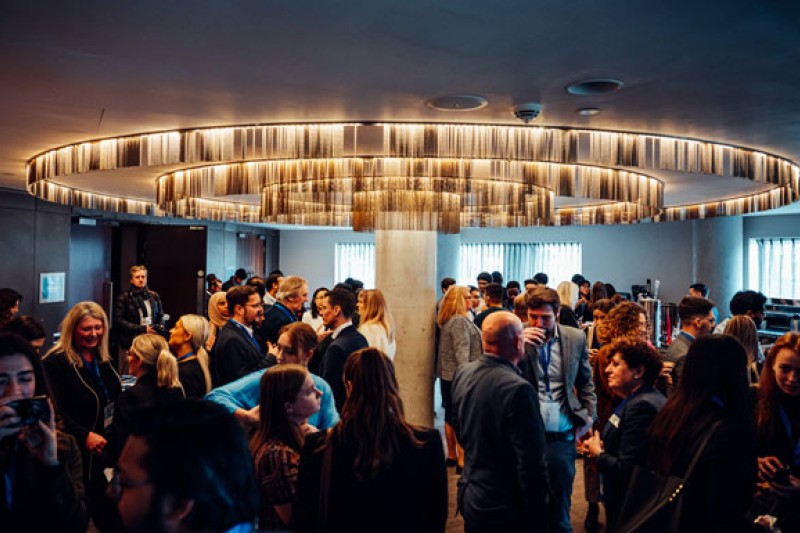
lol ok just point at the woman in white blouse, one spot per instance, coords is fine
(377, 323)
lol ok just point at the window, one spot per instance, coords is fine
(774, 267)
(355, 260)
(519, 261)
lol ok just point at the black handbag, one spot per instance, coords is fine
(654, 502)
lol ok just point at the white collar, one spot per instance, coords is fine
(340, 328)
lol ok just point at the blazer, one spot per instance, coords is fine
(274, 319)
(80, 401)
(579, 385)
(498, 422)
(459, 343)
(346, 342)
(234, 355)
(625, 444)
(144, 393)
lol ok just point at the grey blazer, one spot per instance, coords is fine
(578, 373)
(460, 342)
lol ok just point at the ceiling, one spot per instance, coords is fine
(72, 71)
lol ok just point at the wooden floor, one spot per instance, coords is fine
(455, 524)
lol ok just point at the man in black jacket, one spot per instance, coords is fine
(236, 352)
(138, 310)
(497, 420)
(336, 313)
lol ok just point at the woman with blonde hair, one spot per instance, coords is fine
(218, 316)
(377, 322)
(85, 388)
(381, 469)
(743, 329)
(187, 341)
(157, 383)
(459, 343)
(568, 296)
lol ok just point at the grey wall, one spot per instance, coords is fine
(622, 255)
(35, 239)
(311, 253)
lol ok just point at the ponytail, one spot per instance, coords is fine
(167, 370)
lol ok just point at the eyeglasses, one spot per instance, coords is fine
(117, 485)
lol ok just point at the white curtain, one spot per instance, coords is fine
(357, 261)
(779, 267)
(520, 261)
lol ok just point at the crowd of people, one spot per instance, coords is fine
(283, 414)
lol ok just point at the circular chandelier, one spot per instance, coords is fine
(439, 177)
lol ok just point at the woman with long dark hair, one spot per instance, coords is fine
(713, 389)
(373, 471)
(41, 466)
(288, 398)
(312, 316)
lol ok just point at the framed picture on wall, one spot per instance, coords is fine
(51, 287)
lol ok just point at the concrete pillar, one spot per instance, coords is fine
(719, 256)
(405, 271)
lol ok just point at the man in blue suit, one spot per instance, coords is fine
(336, 313)
(236, 352)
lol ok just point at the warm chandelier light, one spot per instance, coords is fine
(439, 177)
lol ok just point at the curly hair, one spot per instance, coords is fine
(623, 321)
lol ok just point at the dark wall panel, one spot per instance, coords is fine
(90, 262)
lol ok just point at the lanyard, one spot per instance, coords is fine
(788, 425)
(186, 357)
(9, 476)
(545, 360)
(95, 368)
(249, 335)
(285, 311)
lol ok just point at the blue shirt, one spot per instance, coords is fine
(244, 394)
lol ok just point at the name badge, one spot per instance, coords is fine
(550, 415)
(108, 415)
(614, 421)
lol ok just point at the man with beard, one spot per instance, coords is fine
(138, 310)
(186, 468)
(236, 351)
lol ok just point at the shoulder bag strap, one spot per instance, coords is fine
(697, 454)
(325, 483)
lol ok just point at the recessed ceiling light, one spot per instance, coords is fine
(593, 87)
(587, 111)
(457, 102)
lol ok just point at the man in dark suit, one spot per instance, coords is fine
(556, 361)
(336, 313)
(498, 423)
(236, 352)
(292, 294)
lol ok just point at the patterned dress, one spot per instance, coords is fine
(276, 474)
